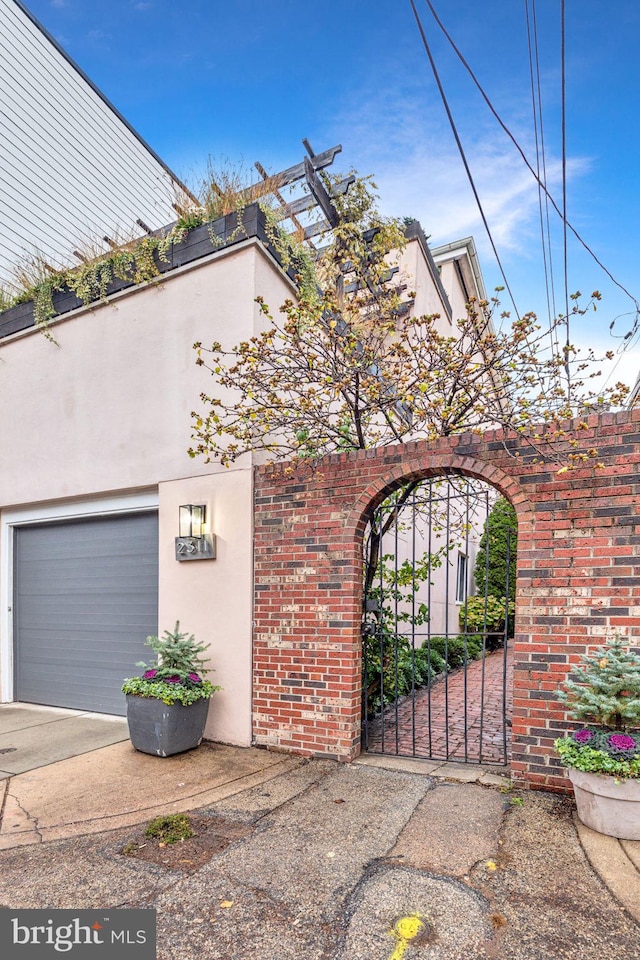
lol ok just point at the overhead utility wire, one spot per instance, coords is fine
(524, 157)
(462, 155)
(537, 121)
(543, 153)
(564, 196)
(631, 340)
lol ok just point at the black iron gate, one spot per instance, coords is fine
(438, 623)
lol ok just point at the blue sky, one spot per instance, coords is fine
(246, 80)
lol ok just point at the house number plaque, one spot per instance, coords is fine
(196, 548)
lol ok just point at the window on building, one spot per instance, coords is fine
(461, 579)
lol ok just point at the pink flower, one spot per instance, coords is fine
(149, 674)
(173, 679)
(621, 741)
(582, 736)
(194, 678)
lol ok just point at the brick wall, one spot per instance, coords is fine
(578, 580)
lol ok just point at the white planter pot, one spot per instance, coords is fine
(606, 805)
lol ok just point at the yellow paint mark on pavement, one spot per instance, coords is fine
(405, 930)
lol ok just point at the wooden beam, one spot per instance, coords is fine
(317, 189)
(307, 201)
(315, 229)
(291, 215)
(297, 172)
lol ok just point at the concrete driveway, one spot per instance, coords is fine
(32, 736)
(65, 773)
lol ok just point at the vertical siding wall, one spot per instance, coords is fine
(72, 168)
(578, 581)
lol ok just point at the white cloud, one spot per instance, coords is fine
(419, 172)
(401, 134)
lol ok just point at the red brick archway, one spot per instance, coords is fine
(578, 580)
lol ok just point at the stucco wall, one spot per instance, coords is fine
(109, 408)
(415, 271)
(107, 413)
(211, 599)
(451, 283)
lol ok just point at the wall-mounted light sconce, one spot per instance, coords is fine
(194, 543)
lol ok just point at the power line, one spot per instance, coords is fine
(564, 193)
(523, 155)
(462, 154)
(536, 107)
(543, 152)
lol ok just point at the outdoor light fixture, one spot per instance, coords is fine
(194, 543)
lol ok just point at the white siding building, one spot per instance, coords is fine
(71, 168)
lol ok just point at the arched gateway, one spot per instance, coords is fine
(578, 580)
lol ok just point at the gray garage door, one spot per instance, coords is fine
(85, 599)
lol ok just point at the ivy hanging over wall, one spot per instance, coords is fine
(220, 193)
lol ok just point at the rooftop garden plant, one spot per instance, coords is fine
(221, 191)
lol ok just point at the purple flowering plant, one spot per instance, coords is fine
(583, 736)
(177, 674)
(604, 694)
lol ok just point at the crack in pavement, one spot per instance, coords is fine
(29, 817)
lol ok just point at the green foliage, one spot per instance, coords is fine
(227, 188)
(392, 664)
(6, 300)
(308, 383)
(294, 255)
(395, 668)
(590, 759)
(501, 528)
(394, 587)
(485, 613)
(456, 651)
(169, 693)
(605, 695)
(177, 654)
(606, 691)
(406, 668)
(176, 675)
(170, 828)
(417, 668)
(135, 261)
(219, 193)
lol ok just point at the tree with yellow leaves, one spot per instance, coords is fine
(350, 367)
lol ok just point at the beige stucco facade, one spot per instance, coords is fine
(101, 424)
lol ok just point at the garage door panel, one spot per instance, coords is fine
(86, 598)
(58, 609)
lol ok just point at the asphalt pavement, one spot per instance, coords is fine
(322, 861)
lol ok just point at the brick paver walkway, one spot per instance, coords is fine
(408, 732)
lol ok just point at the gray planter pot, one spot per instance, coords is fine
(164, 729)
(606, 805)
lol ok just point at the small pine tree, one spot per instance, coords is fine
(607, 692)
(178, 655)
